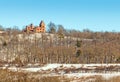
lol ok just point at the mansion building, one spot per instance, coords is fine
(35, 29)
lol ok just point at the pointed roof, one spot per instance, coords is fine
(42, 24)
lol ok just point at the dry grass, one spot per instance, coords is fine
(9, 76)
(101, 79)
(94, 79)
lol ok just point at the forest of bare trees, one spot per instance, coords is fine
(59, 45)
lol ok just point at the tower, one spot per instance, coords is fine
(42, 26)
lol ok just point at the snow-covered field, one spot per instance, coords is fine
(69, 66)
(72, 70)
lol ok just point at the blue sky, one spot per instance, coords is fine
(96, 15)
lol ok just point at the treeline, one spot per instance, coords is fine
(60, 45)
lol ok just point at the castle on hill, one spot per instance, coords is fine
(35, 29)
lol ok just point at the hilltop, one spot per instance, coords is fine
(60, 47)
